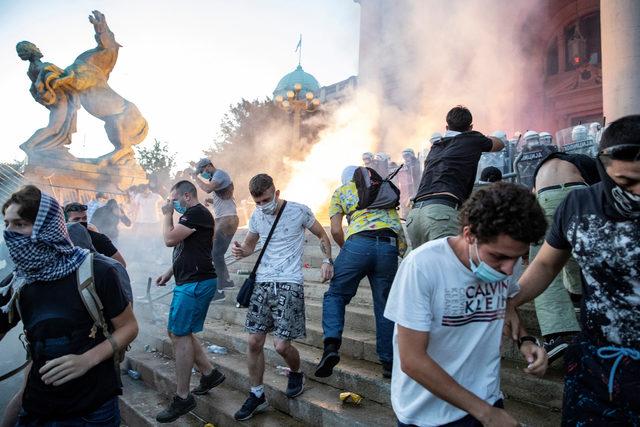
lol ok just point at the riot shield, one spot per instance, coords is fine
(580, 139)
(528, 157)
(498, 160)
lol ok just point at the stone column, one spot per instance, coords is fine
(620, 29)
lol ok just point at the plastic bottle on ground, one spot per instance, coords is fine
(216, 349)
(133, 374)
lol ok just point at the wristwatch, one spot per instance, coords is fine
(328, 261)
(534, 340)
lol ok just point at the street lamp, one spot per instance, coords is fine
(297, 105)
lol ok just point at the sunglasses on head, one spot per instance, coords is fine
(624, 152)
(76, 208)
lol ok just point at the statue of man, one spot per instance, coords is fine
(84, 82)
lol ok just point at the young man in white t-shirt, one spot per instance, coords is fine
(277, 302)
(448, 301)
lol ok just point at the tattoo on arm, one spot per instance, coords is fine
(323, 246)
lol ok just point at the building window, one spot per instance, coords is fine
(590, 30)
(553, 62)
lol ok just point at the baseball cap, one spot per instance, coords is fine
(202, 163)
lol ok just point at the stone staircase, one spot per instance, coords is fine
(533, 401)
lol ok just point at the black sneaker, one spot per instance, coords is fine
(387, 369)
(218, 296)
(251, 406)
(176, 409)
(556, 346)
(207, 382)
(295, 387)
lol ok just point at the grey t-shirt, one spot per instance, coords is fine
(282, 261)
(223, 201)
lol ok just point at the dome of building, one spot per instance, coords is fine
(287, 83)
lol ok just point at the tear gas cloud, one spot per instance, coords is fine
(419, 59)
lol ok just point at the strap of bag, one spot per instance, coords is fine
(394, 173)
(266, 242)
(90, 298)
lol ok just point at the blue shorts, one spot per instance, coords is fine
(189, 306)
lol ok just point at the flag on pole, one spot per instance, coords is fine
(299, 43)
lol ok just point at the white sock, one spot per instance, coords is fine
(258, 391)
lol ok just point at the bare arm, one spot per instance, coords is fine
(164, 277)
(326, 271)
(104, 36)
(206, 186)
(417, 364)
(497, 143)
(247, 247)
(59, 371)
(325, 244)
(173, 234)
(336, 229)
(540, 273)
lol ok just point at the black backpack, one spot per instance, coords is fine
(374, 192)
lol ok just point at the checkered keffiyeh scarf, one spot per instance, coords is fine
(46, 255)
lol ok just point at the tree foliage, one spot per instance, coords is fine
(255, 137)
(156, 159)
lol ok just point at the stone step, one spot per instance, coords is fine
(546, 391)
(319, 405)
(357, 343)
(217, 407)
(536, 413)
(532, 415)
(139, 405)
(360, 376)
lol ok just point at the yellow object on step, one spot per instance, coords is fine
(349, 397)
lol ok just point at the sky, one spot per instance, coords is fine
(182, 62)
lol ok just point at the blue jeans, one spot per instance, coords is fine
(362, 257)
(107, 415)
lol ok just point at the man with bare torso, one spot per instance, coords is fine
(556, 176)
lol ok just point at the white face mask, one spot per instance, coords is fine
(269, 208)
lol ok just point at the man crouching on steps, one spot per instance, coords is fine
(196, 283)
(277, 302)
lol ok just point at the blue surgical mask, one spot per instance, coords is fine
(268, 208)
(483, 271)
(178, 207)
(206, 175)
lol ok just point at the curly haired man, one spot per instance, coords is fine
(448, 301)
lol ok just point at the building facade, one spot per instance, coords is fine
(582, 57)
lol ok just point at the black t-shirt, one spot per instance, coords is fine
(585, 164)
(452, 163)
(192, 260)
(102, 243)
(608, 253)
(56, 324)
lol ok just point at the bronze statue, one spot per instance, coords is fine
(82, 83)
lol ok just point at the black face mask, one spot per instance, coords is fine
(619, 204)
(83, 223)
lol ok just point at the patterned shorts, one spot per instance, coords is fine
(279, 308)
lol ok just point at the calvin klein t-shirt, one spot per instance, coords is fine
(434, 292)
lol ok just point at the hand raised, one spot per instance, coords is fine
(99, 22)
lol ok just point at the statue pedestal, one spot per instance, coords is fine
(77, 180)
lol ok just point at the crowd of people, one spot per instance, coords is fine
(469, 258)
